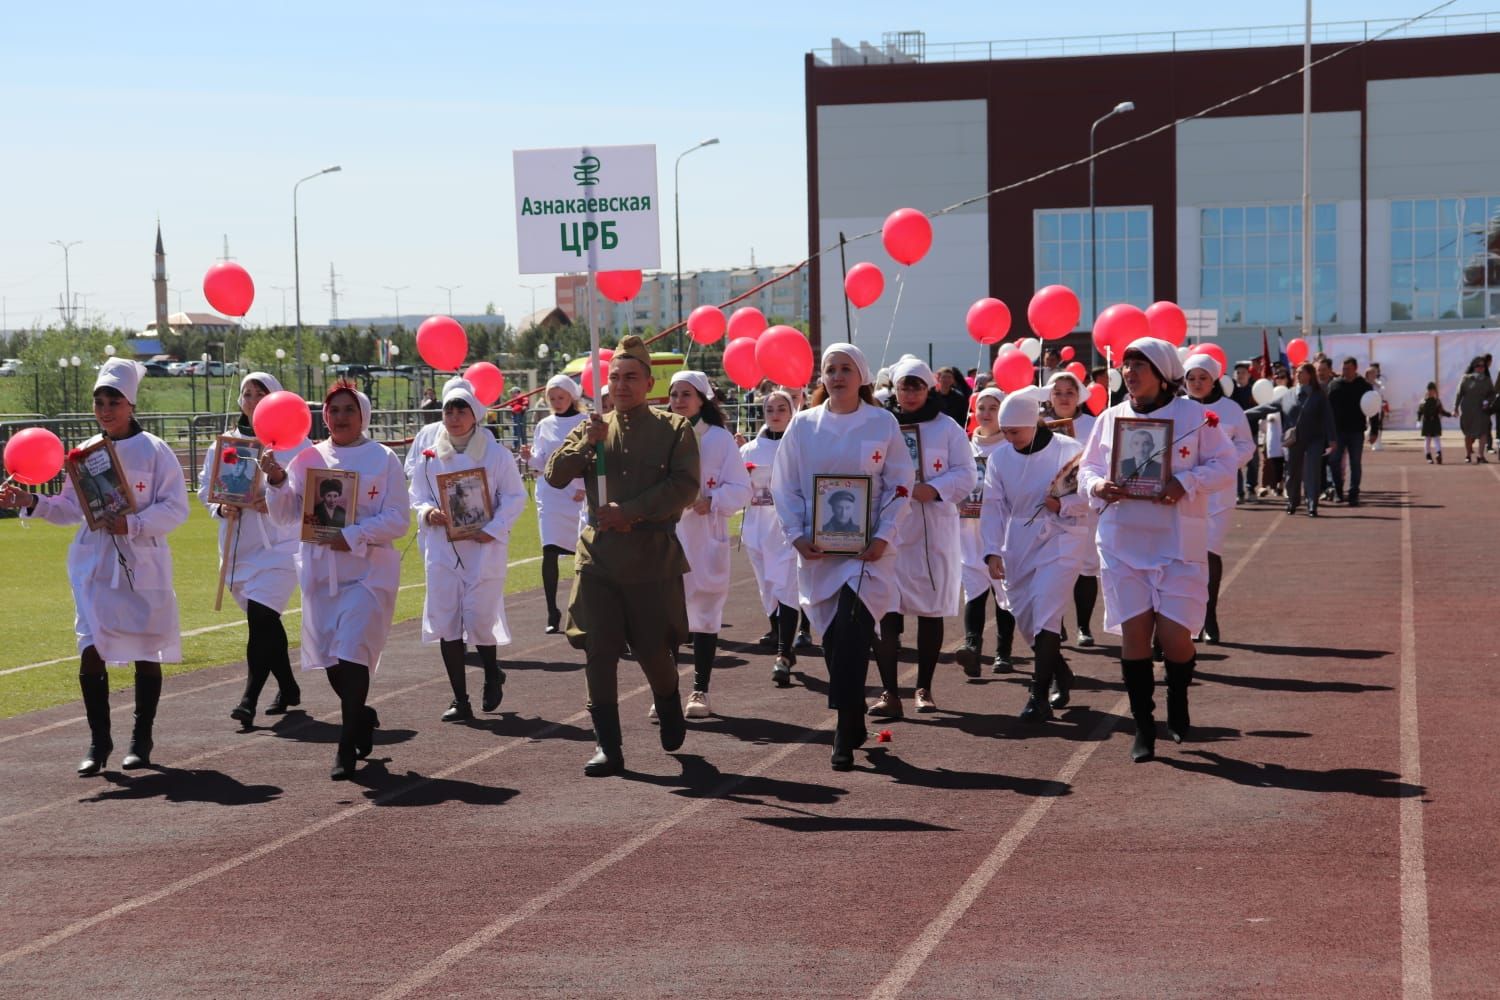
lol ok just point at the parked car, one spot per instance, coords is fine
(179, 367)
(156, 369)
(10, 366)
(216, 368)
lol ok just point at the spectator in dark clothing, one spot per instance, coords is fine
(1249, 476)
(1308, 421)
(953, 395)
(1349, 424)
(432, 410)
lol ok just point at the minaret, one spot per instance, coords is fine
(160, 281)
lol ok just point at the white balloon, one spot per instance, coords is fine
(1031, 347)
(1263, 391)
(1227, 384)
(1115, 380)
(1369, 403)
(1278, 392)
(1006, 349)
(1183, 354)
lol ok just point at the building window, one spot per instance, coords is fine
(1250, 267)
(1445, 258)
(1124, 264)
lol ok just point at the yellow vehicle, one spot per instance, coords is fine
(664, 364)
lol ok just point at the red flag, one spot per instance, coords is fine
(1265, 354)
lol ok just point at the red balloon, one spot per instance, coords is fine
(1053, 312)
(747, 322)
(442, 343)
(618, 286)
(863, 284)
(988, 321)
(1296, 351)
(488, 382)
(1066, 354)
(739, 363)
(1012, 371)
(784, 356)
(706, 324)
(1168, 322)
(228, 288)
(1079, 372)
(33, 456)
(907, 235)
(1098, 399)
(586, 380)
(1214, 351)
(281, 420)
(1118, 327)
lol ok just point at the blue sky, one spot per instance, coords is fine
(206, 114)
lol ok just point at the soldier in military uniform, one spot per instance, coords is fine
(627, 586)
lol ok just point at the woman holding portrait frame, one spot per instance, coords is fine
(119, 562)
(261, 554)
(1153, 540)
(349, 575)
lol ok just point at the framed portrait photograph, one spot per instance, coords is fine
(1140, 458)
(99, 481)
(971, 505)
(760, 496)
(234, 478)
(841, 514)
(1065, 483)
(329, 503)
(912, 435)
(1062, 425)
(465, 498)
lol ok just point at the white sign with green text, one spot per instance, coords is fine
(589, 208)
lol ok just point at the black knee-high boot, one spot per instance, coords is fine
(785, 622)
(494, 678)
(1210, 630)
(774, 632)
(887, 646)
(268, 648)
(1140, 681)
(549, 586)
(147, 696)
(1179, 724)
(1005, 639)
(929, 648)
(1046, 646)
(968, 655)
(1085, 596)
(459, 710)
(256, 675)
(848, 737)
(95, 688)
(609, 756)
(1062, 674)
(705, 648)
(351, 682)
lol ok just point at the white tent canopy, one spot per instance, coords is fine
(1408, 361)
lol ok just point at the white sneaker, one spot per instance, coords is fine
(697, 706)
(651, 712)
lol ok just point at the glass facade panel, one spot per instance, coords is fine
(1062, 255)
(1251, 267)
(1445, 257)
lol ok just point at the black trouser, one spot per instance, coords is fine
(1085, 596)
(846, 650)
(550, 554)
(266, 654)
(888, 649)
(705, 648)
(1304, 471)
(351, 682)
(453, 663)
(785, 623)
(1215, 578)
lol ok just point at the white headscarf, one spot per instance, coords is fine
(854, 354)
(122, 375)
(1163, 357)
(910, 367)
(364, 407)
(1206, 362)
(466, 396)
(1023, 407)
(698, 380)
(988, 392)
(566, 383)
(457, 380)
(1059, 375)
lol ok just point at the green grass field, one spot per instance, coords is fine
(38, 625)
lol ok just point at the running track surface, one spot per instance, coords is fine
(1331, 833)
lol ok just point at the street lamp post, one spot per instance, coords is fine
(280, 357)
(76, 362)
(450, 289)
(297, 274)
(677, 221)
(1118, 109)
(397, 290)
(62, 363)
(67, 281)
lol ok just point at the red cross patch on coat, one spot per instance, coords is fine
(373, 493)
(712, 482)
(1183, 451)
(937, 465)
(877, 456)
(140, 487)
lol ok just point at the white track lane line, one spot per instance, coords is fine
(1416, 948)
(973, 887)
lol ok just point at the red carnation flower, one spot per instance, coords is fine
(428, 453)
(75, 454)
(229, 456)
(749, 466)
(901, 491)
(1211, 418)
(884, 736)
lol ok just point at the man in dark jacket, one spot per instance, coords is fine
(1249, 476)
(953, 395)
(1344, 394)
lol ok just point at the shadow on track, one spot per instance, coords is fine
(883, 762)
(1313, 652)
(1342, 780)
(512, 724)
(173, 785)
(700, 779)
(1294, 684)
(849, 824)
(384, 788)
(311, 730)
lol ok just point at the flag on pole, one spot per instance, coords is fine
(1265, 355)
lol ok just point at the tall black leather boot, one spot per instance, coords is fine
(1038, 708)
(609, 758)
(147, 695)
(848, 736)
(1005, 638)
(494, 679)
(968, 655)
(1179, 724)
(1210, 631)
(1140, 681)
(673, 726)
(95, 688)
(459, 710)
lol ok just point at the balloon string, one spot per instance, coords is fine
(895, 309)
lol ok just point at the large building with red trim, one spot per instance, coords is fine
(1206, 212)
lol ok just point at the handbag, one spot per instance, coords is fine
(1289, 438)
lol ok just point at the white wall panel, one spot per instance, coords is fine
(1434, 136)
(1252, 159)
